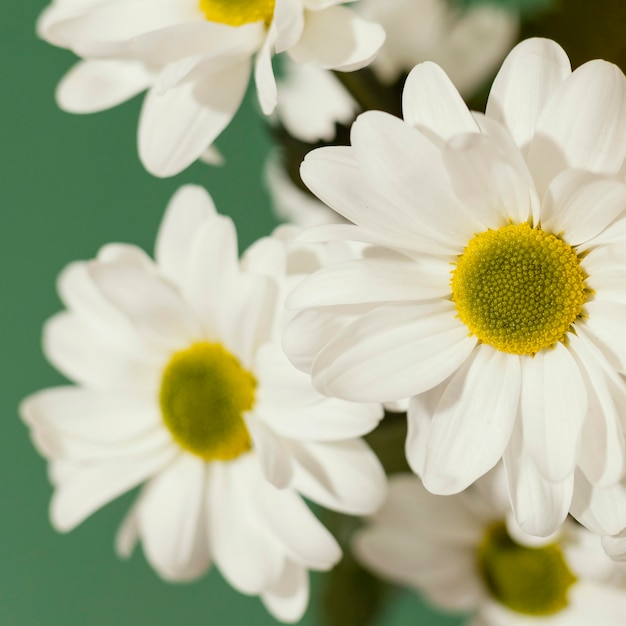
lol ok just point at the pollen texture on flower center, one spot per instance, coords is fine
(518, 288)
(204, 393)
(532, 581)
(238, 12)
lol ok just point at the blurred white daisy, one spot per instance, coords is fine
(464, 554)
(498, 285)
(195, 59)
(468, 43)
(182, 386)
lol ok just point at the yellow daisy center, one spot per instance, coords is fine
(238, 12)
(518, 288)
(532, 581)
(204, 393)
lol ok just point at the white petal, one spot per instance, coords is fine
(333, 176)
(150, 303)
(190, 207)
(127, 534)
(583, 125)
(288, 22)
(372, 280)
(246, 555)
(171, 518)
(580, 206)
(603, 449)
(392, 353)
(490, 180)
(615, 546)
(344, 476)
(264, 77)
(600, 509)
(285, 517)
(175, 128)
(288, 597)
(606, 328)
(252, 316)
(540, 506)
(409, 170)
(116, 22)
(97, 484)
(100, 416)
(430, 101)
(311, 102)
(526, 81)
(92, 86)
(94, 360)
(272, 453)
(473, 421)
(337, 38)
(554, 405)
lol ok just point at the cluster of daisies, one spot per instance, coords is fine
(467, 268)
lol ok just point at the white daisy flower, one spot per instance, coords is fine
(182, 386)
(195, 59)
(465, 554)
(468, 44)
(498, 286)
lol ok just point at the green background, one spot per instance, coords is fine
(69, 184)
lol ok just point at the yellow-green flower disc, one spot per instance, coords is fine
(204, 393)
(518, 288)
(532, 581)
(238, 12)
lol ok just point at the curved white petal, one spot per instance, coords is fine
(489, 177)
(554, 405)
(294, 529)
(99, 416)
(151, 304)
(528, 78)
(603, 446)
(97, 484)
(431, 102)
(264, 76)
(337, 38)
(344, 476)
(372, 280)
(92, 86)
(272, 453)
(190, 207)
(392, 353)
(601, 509)
(247, 556)
(581, 206)
(171, 518)
(473, 421)
(615, 546)
(583, 124)
(288, 597)
(408, 169)
(92, 359)
(175, 128)
(333, 175)
(539, 505)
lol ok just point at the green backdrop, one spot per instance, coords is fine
(69, 184)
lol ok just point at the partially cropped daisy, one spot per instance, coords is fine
(469, 44)
(465, 554)
(195, 58)
(182, 387)
(495, 296)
